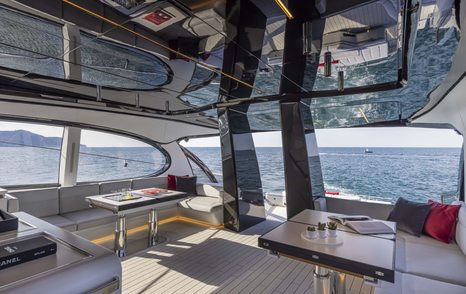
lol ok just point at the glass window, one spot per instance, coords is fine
(199, 173)
(269, 152)
(208, 151)
(30, 44)
(415, 163)
(104, 157)
(108, 64)
(29, 153)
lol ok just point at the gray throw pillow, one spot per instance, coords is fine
(186, 184)
(409, 216)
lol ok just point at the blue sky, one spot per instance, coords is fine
(359, 137)
(355, 137)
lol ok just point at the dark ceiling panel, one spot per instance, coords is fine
(83, 19)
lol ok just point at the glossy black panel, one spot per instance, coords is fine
(243, 202)
(295, 159)
(296, 117)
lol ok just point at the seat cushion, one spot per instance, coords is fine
(38, 202)
(210, 190)
(201, 203)
(91, 217)
(429, 258)
(159, 182)
(74, 198)
(186, 184)
(441, 221)
(409, 216)
(61, 222)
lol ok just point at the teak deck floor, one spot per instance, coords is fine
(196, 259)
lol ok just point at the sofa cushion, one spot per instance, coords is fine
(460, 235)
(429, 258)
(110, 187)
(409, 216)
(201, 203)
(186, 184)
(160, 182)
(74, 198)
(61, 222)
(441, 221)
(210, 190)
(91, 217)
(171, 182)
(38, 202)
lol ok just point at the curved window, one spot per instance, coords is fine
(111, 65)
(29, 153)
(30, 44)
(104, 157)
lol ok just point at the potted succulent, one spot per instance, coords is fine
(332, 229)
(311, 232)
(321, 230)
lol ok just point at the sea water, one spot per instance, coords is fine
(386, 174)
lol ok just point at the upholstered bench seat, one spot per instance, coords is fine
(61, 222)
(429, 258)
(201, 203)
(91, 217)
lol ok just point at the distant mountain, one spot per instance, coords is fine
(23, 137)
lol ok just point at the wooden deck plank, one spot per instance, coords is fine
(196, 259)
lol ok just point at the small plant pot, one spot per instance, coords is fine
(311, 234)
(322, 234)
(332, 233)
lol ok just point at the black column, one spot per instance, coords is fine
(303, 175)
(243, 200)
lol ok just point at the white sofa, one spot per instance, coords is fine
(67, 208)
(422, 265)
(425, 265)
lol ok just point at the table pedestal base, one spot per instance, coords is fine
(328, 282)
(120, 236)
(153, 228)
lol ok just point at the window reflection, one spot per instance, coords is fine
(30, 44)
(108, 64)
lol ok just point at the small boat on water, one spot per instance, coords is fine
(368, 151)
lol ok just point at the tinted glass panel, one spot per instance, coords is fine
(268, 77)
(104, 157)
(29, 153)
(111, 65)
(363, 43)
(30, 44)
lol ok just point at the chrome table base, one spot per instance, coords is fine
(120, 236)
(120, 233)
(153, 228)
(328, 282)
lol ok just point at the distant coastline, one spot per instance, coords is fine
(22, 138)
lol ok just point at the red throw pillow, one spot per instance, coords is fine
(441, 221)
(171, 182)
